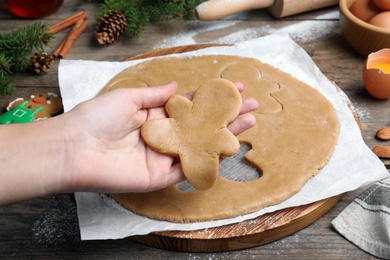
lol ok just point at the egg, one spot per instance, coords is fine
(383, 4)
(381, 20)
(364, 9)
(376, 74)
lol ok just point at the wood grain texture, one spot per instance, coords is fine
(47, 228)
(250, 233)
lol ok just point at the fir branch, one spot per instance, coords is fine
(136, 18)
(20, 43)
(139, 13)
(165, 11)
(16, 47)
(190, 6)
(5, 72)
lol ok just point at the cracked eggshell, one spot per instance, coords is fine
(376, 74)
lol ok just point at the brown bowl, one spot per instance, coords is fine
(363, 37)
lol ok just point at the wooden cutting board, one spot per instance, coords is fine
(250, 233)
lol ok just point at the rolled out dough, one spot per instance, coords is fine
(294, 137)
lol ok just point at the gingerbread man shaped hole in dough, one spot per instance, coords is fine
(196, 130)
(231, 168)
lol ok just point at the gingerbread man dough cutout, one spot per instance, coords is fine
(199, 138)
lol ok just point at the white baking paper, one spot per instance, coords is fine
(351, 166)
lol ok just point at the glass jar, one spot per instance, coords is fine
(33, 8)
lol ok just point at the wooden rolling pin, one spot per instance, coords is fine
(216, 9)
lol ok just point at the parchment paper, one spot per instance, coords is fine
(351, 166)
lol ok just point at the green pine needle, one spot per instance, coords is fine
(136, 18)
(21, 42)
(5, 72)
(139, 13)
(16, 47)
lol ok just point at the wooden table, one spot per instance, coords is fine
(48, 228)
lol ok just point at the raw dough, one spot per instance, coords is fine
(196, 130)
(295, 135)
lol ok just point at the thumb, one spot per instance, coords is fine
(155, 96)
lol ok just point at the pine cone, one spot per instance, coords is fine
(40, 62)
(110, 28)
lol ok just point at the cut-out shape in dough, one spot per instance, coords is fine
(239, 71)
(287, 147)
(236, 169)
(196, 130)
(250, 75)
(232, 168)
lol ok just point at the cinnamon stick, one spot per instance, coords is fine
(71, 20)
(73, 35)
(59, 48)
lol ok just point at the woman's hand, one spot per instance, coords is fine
(96, 146)
(106, 151)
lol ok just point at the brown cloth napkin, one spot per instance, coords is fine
(366, 221)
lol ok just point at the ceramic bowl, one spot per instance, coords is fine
(361, 36)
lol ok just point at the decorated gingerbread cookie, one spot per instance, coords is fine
(36, 107)
(196, 130)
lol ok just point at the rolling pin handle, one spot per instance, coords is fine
(216, 9)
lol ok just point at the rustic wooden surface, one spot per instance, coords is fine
(47, 228)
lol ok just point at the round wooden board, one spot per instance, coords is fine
(250, 233)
